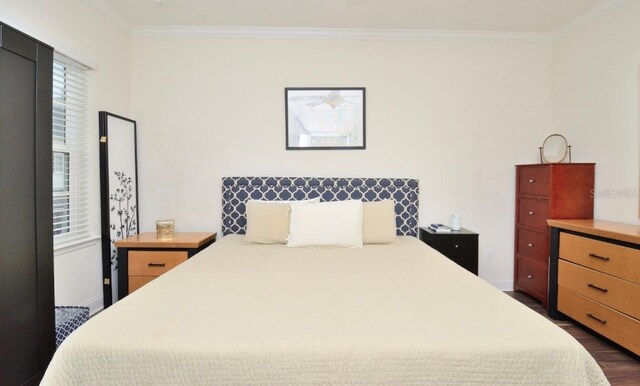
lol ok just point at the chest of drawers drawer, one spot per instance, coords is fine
(534, 181)
(533, 213)
(532, 277)
(611, 291)
(608, 258)
(532, 244)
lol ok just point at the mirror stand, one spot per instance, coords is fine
(568, 150)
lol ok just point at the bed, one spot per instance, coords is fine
(269, 314)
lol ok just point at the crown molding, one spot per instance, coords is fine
(335, 33)
(151, 31)
(585, 18)
(105, 10)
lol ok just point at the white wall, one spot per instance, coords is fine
(77, 30)
(456, 115)
(597, 105)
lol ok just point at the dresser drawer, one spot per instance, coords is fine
(135, 282)
(609, 258)
(533, 213)
(154, 263)
(534, 181)
(532, 278)
(614, 325)
(533, 244)
(618, 294)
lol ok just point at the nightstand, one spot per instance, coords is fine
(460, 246)
(142, 258)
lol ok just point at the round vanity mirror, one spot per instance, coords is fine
(554, 149)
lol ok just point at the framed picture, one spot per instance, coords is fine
(325, 118)
(118, 193)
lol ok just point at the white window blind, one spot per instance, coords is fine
(71, 203)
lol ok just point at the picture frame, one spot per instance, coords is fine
(118, 193)
(325, 118)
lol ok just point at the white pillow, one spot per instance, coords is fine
(326, 224)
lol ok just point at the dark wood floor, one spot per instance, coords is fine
(620, 367)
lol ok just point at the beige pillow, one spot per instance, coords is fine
(379, 222)
(267, 222)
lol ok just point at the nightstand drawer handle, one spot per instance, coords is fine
(531, 181)
(455, 245)
(531, 245)
(599, 257)
(156, 265)
(531, 213)
(596, 318)
(529, 276)
(598, 288)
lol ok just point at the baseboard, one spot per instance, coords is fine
(95, 304)
(502, 285)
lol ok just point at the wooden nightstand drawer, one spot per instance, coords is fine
(533, 213)
(619, 294)
(468, 263)
(154, 263)
(135, 282)
(533, 244)
(616, 326)
(454, 247)
(605, 257)
(534, 181)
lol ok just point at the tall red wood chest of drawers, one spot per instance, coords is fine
(546, 191)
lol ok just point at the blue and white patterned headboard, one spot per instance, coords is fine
(237, 190)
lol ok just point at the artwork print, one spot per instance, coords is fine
(119, 193)
(325, 118)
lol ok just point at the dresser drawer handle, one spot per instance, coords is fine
(596, 318)
(156, 265)
(531, 181)
(531, 213)
(529, 276)
(599, 257)
(455, 245)
(597, 288)
(531, 245)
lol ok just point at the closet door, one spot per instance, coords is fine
(27, 316)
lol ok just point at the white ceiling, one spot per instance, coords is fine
(543, 16)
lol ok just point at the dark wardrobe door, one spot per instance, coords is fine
(27, 319)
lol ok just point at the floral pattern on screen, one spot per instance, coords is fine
(123, 205)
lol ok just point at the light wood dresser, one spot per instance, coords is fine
(546, 191)
(142, 258)
(595, 277)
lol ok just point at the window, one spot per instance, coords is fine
(71, 211)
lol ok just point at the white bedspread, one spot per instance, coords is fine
(380, 315)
